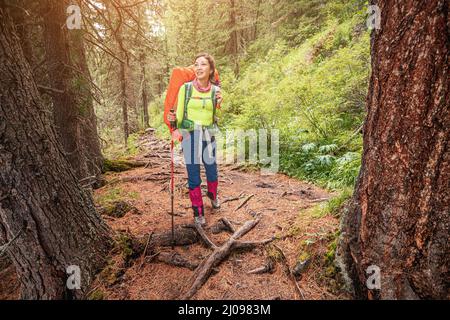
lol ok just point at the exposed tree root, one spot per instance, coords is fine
(184, 235)
(268, 267)
(288, 272)
(121, 165)
(205, 268)
(177, 260)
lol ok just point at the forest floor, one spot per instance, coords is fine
(285, 206)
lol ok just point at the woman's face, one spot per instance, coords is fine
(202, 68)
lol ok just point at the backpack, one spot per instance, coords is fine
(179, 77)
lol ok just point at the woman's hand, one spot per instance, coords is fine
(219, 96)
(171, 116)
(176, 135)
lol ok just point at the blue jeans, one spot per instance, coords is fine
(192, 156)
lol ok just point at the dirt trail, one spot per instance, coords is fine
(281, 201)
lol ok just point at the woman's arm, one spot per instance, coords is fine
(180, 105)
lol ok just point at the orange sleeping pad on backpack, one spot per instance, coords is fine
(180, 76)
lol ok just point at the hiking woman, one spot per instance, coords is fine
(195, 116)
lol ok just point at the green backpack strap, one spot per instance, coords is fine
(187, 97)
(214, 101)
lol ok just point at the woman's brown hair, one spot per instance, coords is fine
(212, 65)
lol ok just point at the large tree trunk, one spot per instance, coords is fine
(20, 14)
(41, 201)
(63, 78)
(398, 218)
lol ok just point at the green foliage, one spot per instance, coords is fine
(96, 295)
(125, 245)
(116, 150)
(334, 205)
(156, 118)
(113, 195)
(314, 94)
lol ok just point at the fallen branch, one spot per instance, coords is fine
(319, 200)
(221, 226)
(287, 271)
(205, 268)
(246, 245)
(268, 267)
(145, 250)
(204, 237)
(230, 199)
(228, 224)
(177, 260)
(244, 202)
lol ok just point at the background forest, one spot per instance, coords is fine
(299, 66)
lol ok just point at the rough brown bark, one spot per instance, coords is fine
(63, 78)
(398, 218)
(39, 194)
(20, 15)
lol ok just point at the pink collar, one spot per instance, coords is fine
(198, 88)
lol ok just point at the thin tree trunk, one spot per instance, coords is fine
(233, 41)
(62, 78)
(255, 29)
(144, 92)
(40, 200)
(89, 135)
(399, 216)
(123, 84)
(123, 98)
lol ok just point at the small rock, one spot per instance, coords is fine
(264, 185)
(300, 267)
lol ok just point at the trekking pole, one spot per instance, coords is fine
(173, 125)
